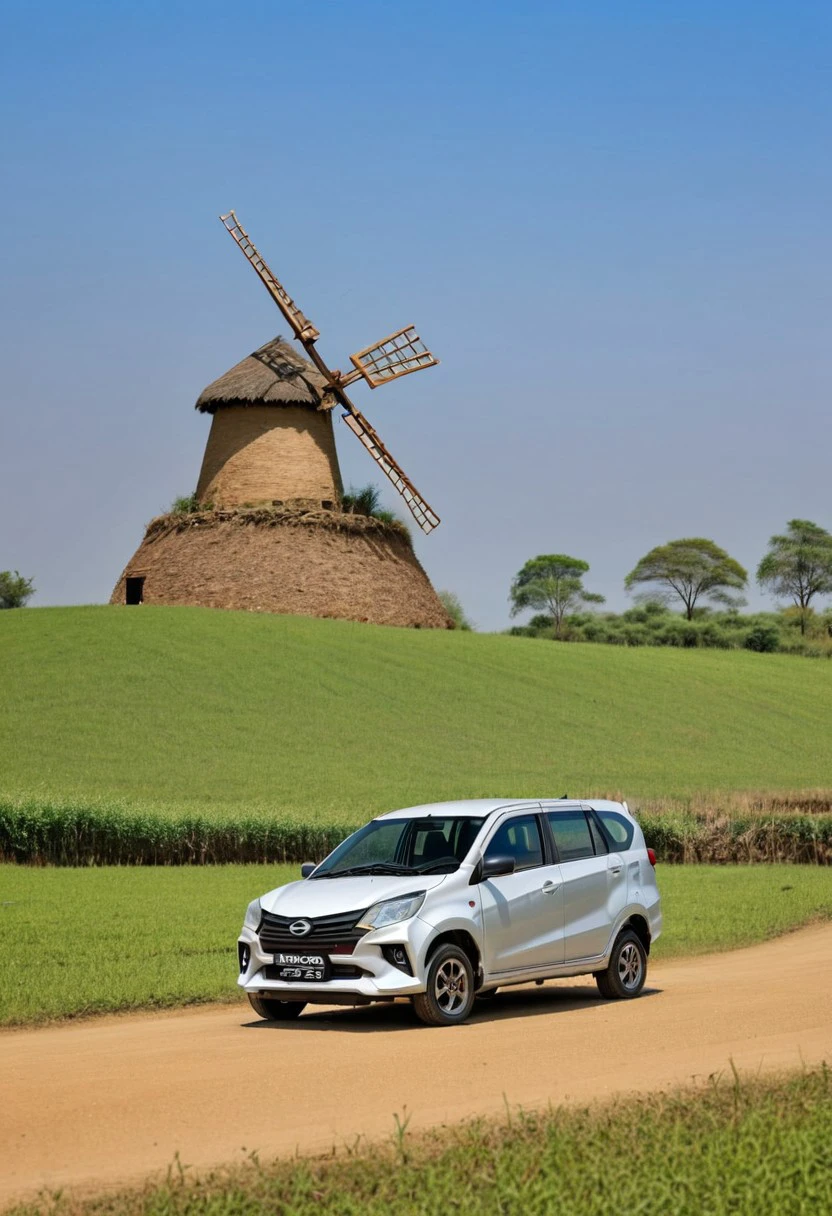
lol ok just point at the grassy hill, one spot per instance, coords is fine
(179, 708)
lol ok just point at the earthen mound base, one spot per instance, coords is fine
(311, 562)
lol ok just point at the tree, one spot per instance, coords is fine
(798, 565)
(452, 605)
(14, 589)
(551, 583)
(693, 569)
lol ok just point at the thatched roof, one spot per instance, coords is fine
(273, 375)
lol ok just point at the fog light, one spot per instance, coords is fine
(244, 956)
(397, 955)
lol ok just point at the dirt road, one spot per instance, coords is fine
(113, 1099)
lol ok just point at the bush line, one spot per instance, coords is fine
(689, 839)
(65, 834)
(43, 833)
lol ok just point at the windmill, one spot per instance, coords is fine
(397, 355)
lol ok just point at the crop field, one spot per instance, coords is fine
(739, 1146)
(106, 939)
(180, 710)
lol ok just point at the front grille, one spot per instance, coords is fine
(330, 934)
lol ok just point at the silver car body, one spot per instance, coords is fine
(555, 919)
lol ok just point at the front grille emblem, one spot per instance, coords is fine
(300, 928)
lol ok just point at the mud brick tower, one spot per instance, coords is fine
(271, 437)
(269, 534)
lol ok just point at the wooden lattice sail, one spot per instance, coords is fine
(399, 354)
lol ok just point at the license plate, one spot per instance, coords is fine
(301, 967)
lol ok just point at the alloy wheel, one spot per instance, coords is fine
(451, 986)
(629, 966)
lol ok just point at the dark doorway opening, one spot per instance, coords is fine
(135, 590)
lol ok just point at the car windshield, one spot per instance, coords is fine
(433, 845)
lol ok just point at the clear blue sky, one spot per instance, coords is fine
(610, 221)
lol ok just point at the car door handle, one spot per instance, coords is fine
(549, 887)
(615, 869)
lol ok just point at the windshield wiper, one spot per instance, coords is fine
(375, 867)
(440, 865)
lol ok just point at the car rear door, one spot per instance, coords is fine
(594, 881)
(522, 912)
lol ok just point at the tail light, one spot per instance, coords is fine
(651, 854)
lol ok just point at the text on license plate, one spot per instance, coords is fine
(302, 966)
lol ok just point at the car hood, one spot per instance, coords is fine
(313, 897)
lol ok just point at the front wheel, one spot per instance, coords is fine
(449, 994)
(275, 1011)
(626, 973)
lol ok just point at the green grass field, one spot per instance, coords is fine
(81, 941)
(741, 1146)
(193, 708)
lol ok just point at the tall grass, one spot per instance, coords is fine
(74, 834)
(45, 832)
(739, 1146)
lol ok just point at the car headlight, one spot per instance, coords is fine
(252, 916)
(391, 911)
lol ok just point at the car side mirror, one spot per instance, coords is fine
(308, 867)
(495, 867)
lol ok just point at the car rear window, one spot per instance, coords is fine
(571, 832)
(618, 830)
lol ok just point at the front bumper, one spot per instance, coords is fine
(378, 980)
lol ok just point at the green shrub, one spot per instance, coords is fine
(365, 501)
(765, 639)
(715, 637)
(187, 504)
(653, 624)
(452, 605)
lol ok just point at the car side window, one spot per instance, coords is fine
(618, 831)
(518, 838)
(572, 837)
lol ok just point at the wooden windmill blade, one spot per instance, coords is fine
(399, 354)
(425, 516)
(301, 325)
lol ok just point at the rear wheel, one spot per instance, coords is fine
(449, 994)
(626, 974)
(275, 1011)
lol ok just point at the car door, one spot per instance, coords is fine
(522, 912)
(594, 882)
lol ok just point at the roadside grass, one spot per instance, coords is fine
(739, 1146)
(75, 942)
(83, 941)
(713, 908)
(189, 709)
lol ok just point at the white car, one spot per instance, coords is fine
(448, 902)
